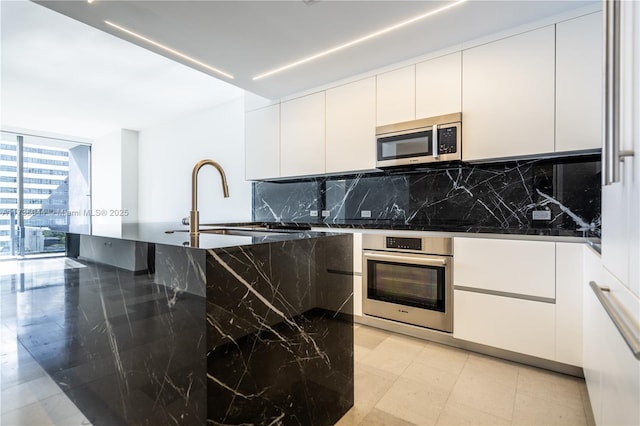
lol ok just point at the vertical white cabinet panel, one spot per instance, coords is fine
(621, 201)
(569, 283)
(396, 96)
(593, 319)
(302, 135)
(579, 83)
(612, 372)
(351, 126)
(262, 143)
(517, 325)
(439, 86)
(508, 96)
(509, 266)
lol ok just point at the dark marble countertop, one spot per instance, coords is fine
(176, 234)
(156, 232)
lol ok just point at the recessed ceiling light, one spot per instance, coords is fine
(89, 1)
(359, 40)
(170, 50)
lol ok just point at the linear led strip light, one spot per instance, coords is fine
(359, 40)
(168, 49)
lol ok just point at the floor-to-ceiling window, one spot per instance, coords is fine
(45, 191)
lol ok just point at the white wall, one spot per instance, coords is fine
(114, 179)
(167, 154)
(106, 177)
(129, 184)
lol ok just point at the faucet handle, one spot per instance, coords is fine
(185, 220)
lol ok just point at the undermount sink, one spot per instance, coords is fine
(250, 231)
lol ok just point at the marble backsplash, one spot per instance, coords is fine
(548, 196)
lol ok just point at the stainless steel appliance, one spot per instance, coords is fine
(408, 279)
(421, 141)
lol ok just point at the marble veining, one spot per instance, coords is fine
(259, 333)
(552, 196)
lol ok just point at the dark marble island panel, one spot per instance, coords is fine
(260, 333)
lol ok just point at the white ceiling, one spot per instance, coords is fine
(62, 76)
(247, 38)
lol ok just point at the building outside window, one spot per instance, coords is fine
(44, 193)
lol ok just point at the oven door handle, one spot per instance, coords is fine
(428, 261)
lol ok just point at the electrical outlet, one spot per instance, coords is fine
(325, 213)
(541, 215)
(365, 213)
(313, 213)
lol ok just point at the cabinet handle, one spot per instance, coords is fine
(611, 154)
(625, 327)
(434, 146)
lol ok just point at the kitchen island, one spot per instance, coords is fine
(253, 328)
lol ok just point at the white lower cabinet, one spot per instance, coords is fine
(508, 266)
(569, 283)
(522, 296)
(611, 371)
(517, 325)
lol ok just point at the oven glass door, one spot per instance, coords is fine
(418, 285)
(405, 145)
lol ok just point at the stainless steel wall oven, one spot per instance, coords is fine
(408, 279)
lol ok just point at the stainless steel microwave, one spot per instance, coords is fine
(426, 140)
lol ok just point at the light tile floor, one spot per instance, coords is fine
(29, 397)
(400, 380)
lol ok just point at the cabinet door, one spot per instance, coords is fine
(621, 201)
(262, 143)
(396, 96)
(569, 283)
(508, 96)
(351, 127)
(517, 325)
(439, 86)
(611, 370)
(302, 136)
(579, 83)
(506, 266)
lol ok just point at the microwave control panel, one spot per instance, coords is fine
(404, 243)
(447, 140)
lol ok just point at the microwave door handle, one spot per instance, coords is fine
(434, 138)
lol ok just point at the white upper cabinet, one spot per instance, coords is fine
(262, 143)
(396, 96)
(351, 125)
(439, 86)
(302, 135)
(508, 96)
(579, 83)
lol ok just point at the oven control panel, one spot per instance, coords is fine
(404, 243)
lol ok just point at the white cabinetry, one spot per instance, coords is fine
(621, 200)
(504, 294)
(569, 283)
(507, 266)
(611, 371)
(579, 83)
(523, 296)
(439, 86)
(517, 325)
(262, 143)
(508, 96)
(396, 96)
(302, 135)
(351, 125)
